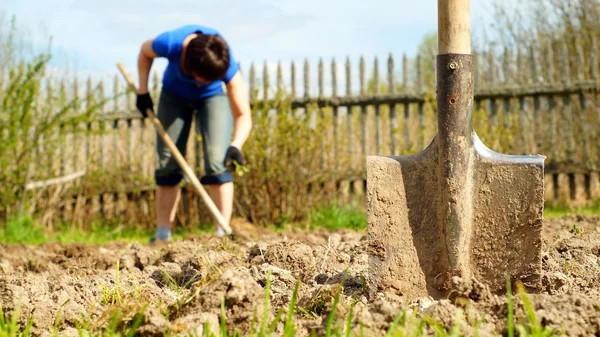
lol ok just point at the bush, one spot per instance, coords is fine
(284, 161)
(33, 114)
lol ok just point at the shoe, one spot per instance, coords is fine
(156, 242)
(220, 232)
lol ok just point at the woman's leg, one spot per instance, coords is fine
(215, 123)
(222, 195)
(175, 115)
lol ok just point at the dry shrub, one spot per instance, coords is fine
(35, 115)
(284, 159)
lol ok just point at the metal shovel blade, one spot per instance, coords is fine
(457, 208)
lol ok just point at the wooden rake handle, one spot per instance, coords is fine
(180, 160)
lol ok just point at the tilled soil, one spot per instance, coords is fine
(183, 287)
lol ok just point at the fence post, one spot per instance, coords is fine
(391, 92)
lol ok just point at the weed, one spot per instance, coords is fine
(532, 326)
(113, 295)
(10, 327)
(576, 230)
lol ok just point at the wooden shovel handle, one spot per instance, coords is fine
(180, 159)
(454, 30)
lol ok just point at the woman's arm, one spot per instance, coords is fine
(145, 59)
(240, 109)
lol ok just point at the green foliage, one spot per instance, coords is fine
(32, 114)
(499, 132)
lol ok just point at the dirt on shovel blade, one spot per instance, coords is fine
(182, 289)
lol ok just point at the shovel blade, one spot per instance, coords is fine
(508, 221)
(408, 229)
(405, 253)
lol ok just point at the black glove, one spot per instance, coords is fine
(143, 102)
(233, 154)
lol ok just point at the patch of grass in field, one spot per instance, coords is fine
(331, 217)
(99, 233)
(338, 217)
(552, 210)
(22, 229)
(25, 230)
(349, 217)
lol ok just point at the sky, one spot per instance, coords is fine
(89, 37)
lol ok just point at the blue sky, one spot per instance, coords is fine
(91, 36)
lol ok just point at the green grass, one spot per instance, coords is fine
(557, 211)
(338, 217)
(10, 327)
(348, 217)
(22, 229)
(25, 230)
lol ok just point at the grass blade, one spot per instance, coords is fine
(289, 328)
(349, 320)
(509, 302)
(331, 316)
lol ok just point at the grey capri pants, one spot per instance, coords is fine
(214, 123)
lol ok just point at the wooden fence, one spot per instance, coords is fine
(543, 100)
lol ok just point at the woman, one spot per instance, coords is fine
(200, 64)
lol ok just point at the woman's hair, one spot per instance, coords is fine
(207, 56)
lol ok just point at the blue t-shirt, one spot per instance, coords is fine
(169, 45)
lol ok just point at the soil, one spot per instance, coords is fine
(183, 287)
